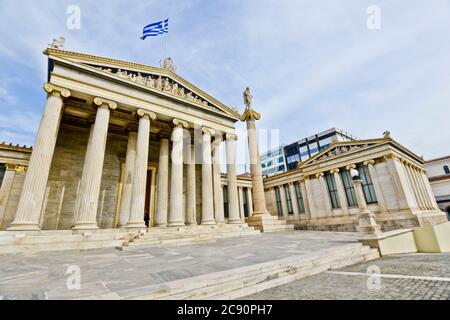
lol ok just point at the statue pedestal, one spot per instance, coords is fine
(265, 222)
(367, 223)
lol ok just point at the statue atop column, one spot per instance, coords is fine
(248, 98)
(249, 112)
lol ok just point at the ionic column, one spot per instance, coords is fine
(294, 201)
(326, 196)
(218, 192)
(250, 202)
(283, 202)
(176, 218)
(233, 202)
(207, 183)
(341, 191)
(91, 177)
(162, 184)
(125, 205)
(140, 170)
(306, 202)
(33, 191)
(6, 186)
(241, 203)
(191, 202)
(376, 185)
(427, 203)
(310, 198)
(414, 184)
(428, 189)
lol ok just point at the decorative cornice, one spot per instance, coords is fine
(15, 167)
(142, 113)
(101, 101)
(250, 114)
(55, 90)
(17, 148)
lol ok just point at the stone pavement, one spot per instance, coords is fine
(404, 277)
(112, 273)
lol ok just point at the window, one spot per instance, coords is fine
(332, 190)
(245, 200)
(2, 173)
(298, 193)
(225, 201)
(446, 170)
(288, 199)
(294, 158)
(366, 182)
(348, 188)
(280, 160)
(278, 200)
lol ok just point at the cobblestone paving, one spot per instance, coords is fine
(356, 284)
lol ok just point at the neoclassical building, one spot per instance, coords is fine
(123, 145)
(320, 194)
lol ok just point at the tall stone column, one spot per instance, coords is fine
(426, 203)
(233, 202)
(309, 196)
(176, 218)
(162, 184)
(33, 191)
(409, 174)
(130, 159)
(428, 189)
(140, 170)
(207, 183)
(241, 203)
(294, 201)
(250, 202)
(341, 191)
(366, 219)
(306, 201)
(6, 187)
(376, 185)
(191, 202)
(218, 191)
(325, 196)
(91, 177)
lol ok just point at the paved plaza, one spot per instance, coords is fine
(405, 277)
(110, 273)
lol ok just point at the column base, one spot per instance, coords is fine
(86, 226)
(237, 221)
(266, 222)
(176, 224)
(24, 227)
(136, 225)
(209, 223)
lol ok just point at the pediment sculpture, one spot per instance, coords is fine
(339, 150)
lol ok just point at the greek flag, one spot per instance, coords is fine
(155, 29)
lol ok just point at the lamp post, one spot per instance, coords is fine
(366, 218)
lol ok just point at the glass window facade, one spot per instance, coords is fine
(288, 199)
(278, 201)
(348, 188)
(299, 195)
(367, 185)
(332, 190)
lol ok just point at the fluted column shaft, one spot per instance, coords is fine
(130, 159)
(284, 202)
(233, 202)
(310, 198)
(294, 201)
(241, 203)
(250, 201)
(207, 183)
(91, 178)
(191, 202)
(430, 194)
(162, 184)
(376, 185)
(259, 200)
(176, 180)
(33, 191)
(218, 191)
(140, 171)
(341, 191)
(325, 195)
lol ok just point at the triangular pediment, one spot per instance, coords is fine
(158, 80)
(338, 149)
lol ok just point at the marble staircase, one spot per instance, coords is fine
(269, 223)
(240, 282)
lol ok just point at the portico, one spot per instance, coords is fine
(106, 125)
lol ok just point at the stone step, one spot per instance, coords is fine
(239, 282)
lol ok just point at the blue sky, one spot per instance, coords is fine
(311, 65)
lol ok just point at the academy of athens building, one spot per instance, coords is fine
(128, 146)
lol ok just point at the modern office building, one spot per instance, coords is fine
(273, 161)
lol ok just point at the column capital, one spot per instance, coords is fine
(208, 130)
(180, 123)
(101, 102)
(52, 89)
(142, 113)
(350, 166)
(231, 136)
(369, 162)
(389, 156)
(319, 174)
(333, 171)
